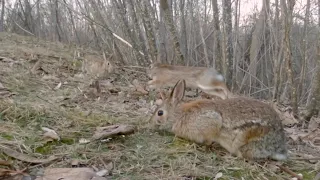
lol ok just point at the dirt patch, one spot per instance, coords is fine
(44, 86)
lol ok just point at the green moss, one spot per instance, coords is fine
(307, 174)
(7, 136)
(67, 141)
(46, 148)
(236, 173)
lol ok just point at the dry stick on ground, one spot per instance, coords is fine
(109, 131)
(23, 157)
(287, 170)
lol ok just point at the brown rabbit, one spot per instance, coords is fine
(245, 127)
(95, 66)
(207, 79)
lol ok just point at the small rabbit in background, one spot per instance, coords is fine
(245, 127)
(207, 79)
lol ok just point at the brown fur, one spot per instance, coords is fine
(245, 127)
(95, 66)
(192, 105)
(164, 75)
(255, 133)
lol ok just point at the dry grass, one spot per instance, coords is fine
(143, 155)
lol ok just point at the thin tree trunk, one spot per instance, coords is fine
(147, 22)
(121, 9)
(287, 11)
(217, 58)
(203, 40)
(2, 16)
(276, 54)
(98, 17)
(235, 49)
(169, 22)
(39, 19)
(227, 20)
(314, 105)
(140, 40)
(304, 43)
(184, 45)
(163, 57)
(57, 22)
(73, 24)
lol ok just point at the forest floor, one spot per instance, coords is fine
(49, 113)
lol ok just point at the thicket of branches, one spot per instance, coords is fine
(273, 52)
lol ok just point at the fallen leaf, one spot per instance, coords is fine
(57, 87)
(139, 87)
(83, 141)
(314, 123)
(51, 134)
(286, 117)
(104, 132)
(75, 162)
(102, 172)
(218, 175)
(313, 138)
(108, 168)
(36, 67)
(23, 157)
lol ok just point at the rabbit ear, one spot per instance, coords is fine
(177, 93)
(163, 95)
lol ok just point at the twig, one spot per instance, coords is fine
(266, 169)
(101, 25)
(287, 170)
(118, 37)
(23, 29)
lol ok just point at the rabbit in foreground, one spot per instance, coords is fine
(207, 79)
(245, 127)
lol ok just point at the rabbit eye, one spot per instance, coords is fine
(160, 113)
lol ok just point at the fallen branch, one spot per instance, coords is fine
(109, 131)
(287, 170)
(23, 157)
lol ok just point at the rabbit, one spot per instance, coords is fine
(245, 127)
(164, 75)
(95, 66)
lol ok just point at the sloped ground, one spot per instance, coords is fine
(43, 86)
